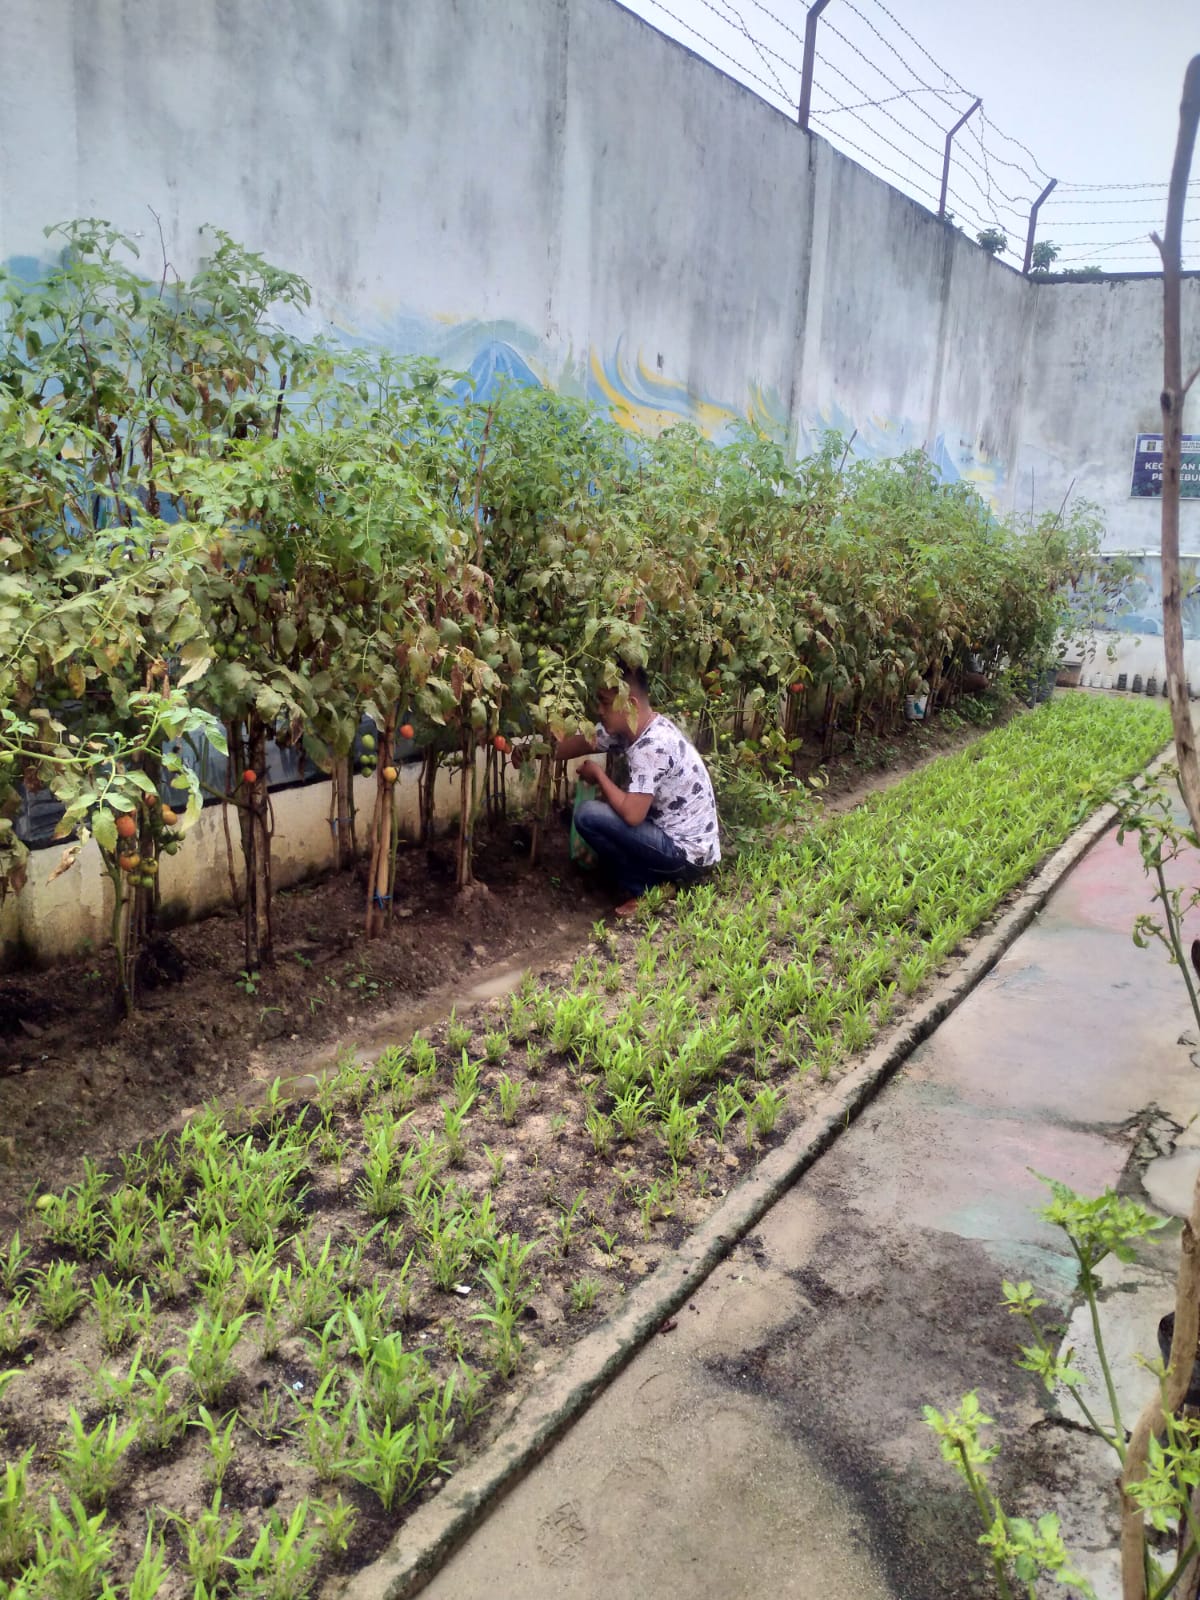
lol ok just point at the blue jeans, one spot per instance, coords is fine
(636, 857)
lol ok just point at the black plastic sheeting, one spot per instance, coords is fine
(287, 768)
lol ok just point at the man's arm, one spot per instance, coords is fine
(631, 808)
(577, 745)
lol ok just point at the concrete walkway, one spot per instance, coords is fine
(770, 1444)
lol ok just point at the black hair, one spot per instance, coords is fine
(635, 677)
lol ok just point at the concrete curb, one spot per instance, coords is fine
(437, 1529)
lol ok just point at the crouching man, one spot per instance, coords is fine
(663, 829)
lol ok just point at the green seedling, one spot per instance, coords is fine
(151, 1573)
(466, 1082)
(336, 1520)
(495, 1046)
(208, 1541)
(90, 1462)
(495, 1161)
(207, 1355)
(312, 1286)
(511, 1286)
(584, 1292)
(59, 1294)
(121, 1312)
(458, 1035)
(652, 1206)
(454, 1121)
(509, 1092)
(151, 1405)
(566, 1224)
(680, 1129)
(380, 1191)
(601, 1130)
(390, 1461)
(283, 1563)
(447, 1247)
(14, 1323)
(20, 1516)
(326, 1428)
(608, 1241)
(13, 1260)
(424, 1056)
(631, 1113)
(71, 1562)
(218, 1441)
(763, 1111)
(266, 1421)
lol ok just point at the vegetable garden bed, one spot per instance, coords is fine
(233, 1365)
(73, 1082)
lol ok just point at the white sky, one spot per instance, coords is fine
(1091, 87)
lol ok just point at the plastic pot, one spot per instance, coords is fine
(1166, 1329)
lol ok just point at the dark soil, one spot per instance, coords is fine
(75, 1074)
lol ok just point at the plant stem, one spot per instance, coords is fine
(1088, 1285)
(1181, 1567)
(1176, 943)
(988, 1513)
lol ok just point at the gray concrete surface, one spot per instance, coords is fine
(771, 1442)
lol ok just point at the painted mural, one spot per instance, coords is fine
(624, 381)
(1139, 608)
(639, 397)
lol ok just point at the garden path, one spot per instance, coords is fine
(770, 1442)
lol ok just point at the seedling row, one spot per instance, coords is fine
(230, 1364)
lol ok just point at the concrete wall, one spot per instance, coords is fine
(54, 917)
(552, 191)
(1092, 377)
(548, 190)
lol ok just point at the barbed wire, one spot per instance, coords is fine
(995, 177)
(758, 48)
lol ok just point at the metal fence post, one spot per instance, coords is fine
(946, 160)
(1033, 215)
(810, 52)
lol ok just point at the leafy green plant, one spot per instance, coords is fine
(283, 1563)
(495, 1046)
(509, 1092)
(90, 1462)
(208, 1541)
(207, 1355)
(13, 1260)
(73, 1554)
(59, 1293)
(19, 1516)
(219, 1441)
(14, 1326)
(583, 1294)
(763, 1111)
(458, 1034)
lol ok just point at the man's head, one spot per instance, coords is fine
(618, 710)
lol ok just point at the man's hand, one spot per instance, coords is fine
(590, 772)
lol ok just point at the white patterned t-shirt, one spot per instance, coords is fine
(664, 763)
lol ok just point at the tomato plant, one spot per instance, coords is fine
(213, 529)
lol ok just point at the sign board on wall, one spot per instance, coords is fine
(1147, 467)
